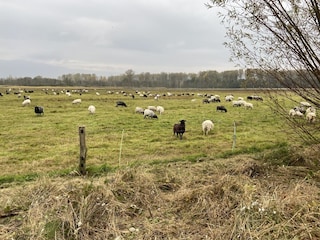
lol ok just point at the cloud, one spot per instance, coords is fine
(109, 37)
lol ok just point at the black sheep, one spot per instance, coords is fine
(179, 128)
(120, 103)
(221, 108)
(38, 110)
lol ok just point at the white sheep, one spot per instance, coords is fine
(139, 110)
(26, 102)
(292, 112)
(229, 98)
(310, 109)
(248, 105)
(149, 113)
(305, 104)
(238, 103)
(311, 117)
(295, 112)
(76, 101)
(153, 108)
(92, 109)
(160, 109)
(207, 125)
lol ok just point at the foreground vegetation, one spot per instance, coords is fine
(144, 183)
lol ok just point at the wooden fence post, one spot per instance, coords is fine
(83, 150)
(234, 135)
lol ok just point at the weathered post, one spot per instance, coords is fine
(83, 150)
(234, 135)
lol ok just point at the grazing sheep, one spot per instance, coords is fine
(39, 110)
(310, 109)
(311, 117)
(149, 114)
(179, 128)
(215, 98)
(305, 104)
(153, 108)
(160, 109)
(121, 103)
(229, 98)
(207, 125)
(92, 109)
(248, 105)
(221, 108)
(295, 112)
(26, 102)
(205, 100)
(139, 110)
(300, 109)
(76, 101)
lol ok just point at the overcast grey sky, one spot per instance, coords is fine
(50, 38)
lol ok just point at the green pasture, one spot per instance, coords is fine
(116, 136)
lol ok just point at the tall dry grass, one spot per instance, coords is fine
(235, 198)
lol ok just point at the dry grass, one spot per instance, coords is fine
(236, 198)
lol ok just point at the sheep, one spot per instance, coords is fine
(310, 109)
(236, 104)
(207, 125)
(160, 109)
(295, 112)
(26, 102)
(215, 98)
(153, 108)
(149, 114)
(305, 104)
(205, 100)
(221, 108)
(139, 110)
(76, 101)
(92, 109)
(121, 103)
(300, 109)
(248, 105)
(39, 110)
(179, 128)
(311, 117)
(229, 98)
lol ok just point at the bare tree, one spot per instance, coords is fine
(282, 38)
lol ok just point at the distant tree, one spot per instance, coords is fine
(280, 37)
(128, 78)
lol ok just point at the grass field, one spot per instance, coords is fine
(145, 183)
(43, 144)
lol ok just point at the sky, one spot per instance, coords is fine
(50, 38)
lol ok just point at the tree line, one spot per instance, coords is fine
(248, 78)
